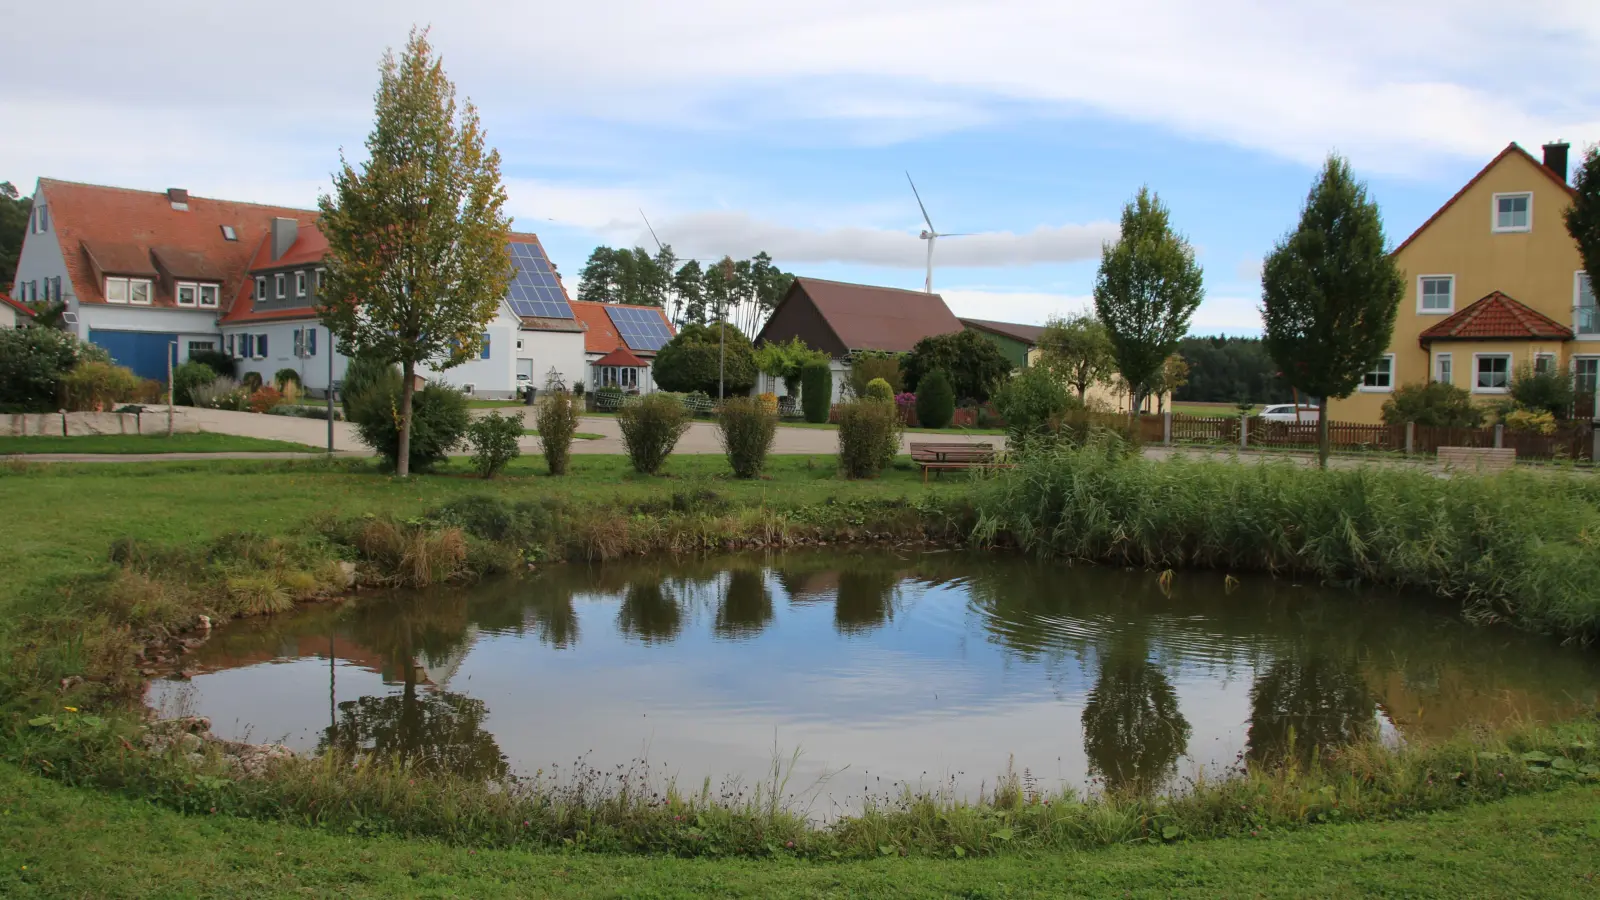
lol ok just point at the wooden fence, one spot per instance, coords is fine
(1570, 441)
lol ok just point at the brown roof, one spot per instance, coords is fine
(1028, 334)
(866, 317)
(1497, 318)
(19, 307)
(539, 323)
(621, 356)
(602, 335)
(127, 232)
(1511, 149)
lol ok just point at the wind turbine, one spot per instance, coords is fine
(929, 234)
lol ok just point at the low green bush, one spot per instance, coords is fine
(33, 361)
(252, 381)
(936, 400)
(869, 437)
(1432, 404)
(220, 363)
(187, 377)
(493, 439)
(363, 376)
(651, 427)
(286, 377)
(98, 386)
(1032, 403)
(1549, 390)
(816, 391)
(747, 427)
(557, 423)
(878, 389)
(439, 417)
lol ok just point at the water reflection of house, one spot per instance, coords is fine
(424, 670)
(1454, 698)
(810, 587)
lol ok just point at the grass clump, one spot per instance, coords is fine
(1515, 548)
(651, 427)
(557, 424)
(747, 427)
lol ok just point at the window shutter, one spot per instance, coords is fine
(230, 346)
(299, 342)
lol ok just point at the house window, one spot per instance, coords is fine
(1586, 379)
(55, 289)
(278, 279)
(1442, 368)
(39, 222)
(245, 346)
(1513, 212)
(1493, 373)
(261, 287)
(261, 345)
(139, 291)
(228, 234)
(116, 290)
(208, 295)
(1437, 293)
(319, 279)
(1544, 362)
(1381, 377)
(1586, 318)
(188, 294)
(311, 342)
(198, 346)
(484, 354)
(127, 290)
(519, 345)
(299, 284)
(230, 347)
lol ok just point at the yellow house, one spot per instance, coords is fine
(1493, 282)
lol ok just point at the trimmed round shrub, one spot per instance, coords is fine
(692, 359)
(187, 377)
(220, 363)
(878, 389)
(557, 422)
(867, 366)
(869, 437)
(286, 377)
(816, 392)
(252, 381)
(98, 386)
(936, 400)
(493, 439)
(747, 426)
(651, 427)
(439, 417)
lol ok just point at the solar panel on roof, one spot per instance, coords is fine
(535, 290)
(641, 329)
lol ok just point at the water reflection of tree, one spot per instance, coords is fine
(865, 598)
(746, 606)
(649, 612)
(1133, 731)
(1321, 701)
(432, 731)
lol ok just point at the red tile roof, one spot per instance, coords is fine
(1028, 334)
(1497, 318)
(16, 305)
(621, 356)
(602, 335)
(1511, 149)
(866, 317)
(130, 232)
(309, 247)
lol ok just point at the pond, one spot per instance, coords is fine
(936, 671)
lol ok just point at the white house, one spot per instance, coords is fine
(13, 314)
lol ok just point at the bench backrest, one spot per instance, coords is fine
(924, 447)
(1489, 459)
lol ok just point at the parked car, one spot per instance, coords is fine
(1284, 412)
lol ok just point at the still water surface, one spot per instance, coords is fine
(881, 669)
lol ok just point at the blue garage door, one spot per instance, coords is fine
(142, 351)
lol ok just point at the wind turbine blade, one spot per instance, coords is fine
(652, 230)
(958, 234)
(919, 203)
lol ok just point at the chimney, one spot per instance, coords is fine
(1555, 157)
(179, 198)
(283, 235)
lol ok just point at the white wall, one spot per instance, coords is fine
(10, 318)
(495, 377)
(561, 350)
(280, 352)
(41, 259)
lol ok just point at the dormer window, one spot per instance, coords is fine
(300, 284)
(128, 290)
(228, 234)
(202, 295)
(208, 295)
(261, 287)
(278, 285)
(188, 294)
(1513, 212)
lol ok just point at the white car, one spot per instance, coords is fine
(1284, 412)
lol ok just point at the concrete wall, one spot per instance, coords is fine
(75, 424)
(1536, 267)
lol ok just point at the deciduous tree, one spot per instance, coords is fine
(1330, 292)
(1078, 351)
(973, 362)
(417, 263)
(1583, 216)
(1148, 287)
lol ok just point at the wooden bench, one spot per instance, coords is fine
(1477, 459)
(939, 457)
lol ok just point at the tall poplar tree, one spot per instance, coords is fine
(1583, 216)
(1330, 292)
(1146, 291)
(417, 263)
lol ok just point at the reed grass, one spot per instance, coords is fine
(1520, 548)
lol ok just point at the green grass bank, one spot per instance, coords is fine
(182, 442)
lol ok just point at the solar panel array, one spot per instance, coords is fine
(641, 329)
(535, 291)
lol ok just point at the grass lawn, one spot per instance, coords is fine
(577, 435)
(58, 841)
(183, 442)
(829, 426)
(493, 404)
(1212, 410)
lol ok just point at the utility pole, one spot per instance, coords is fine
(171, 392)
(329, 393)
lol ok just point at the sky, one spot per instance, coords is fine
(790, 127)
